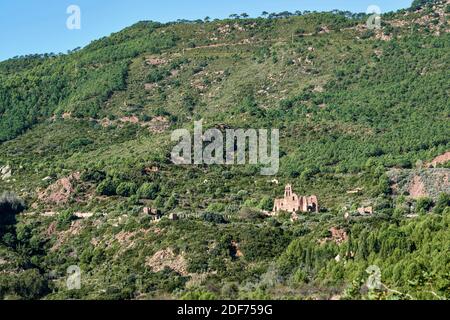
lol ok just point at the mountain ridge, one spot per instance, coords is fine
(85, 138)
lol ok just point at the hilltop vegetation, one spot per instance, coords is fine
(86, 139)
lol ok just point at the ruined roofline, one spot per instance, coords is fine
(293, 203)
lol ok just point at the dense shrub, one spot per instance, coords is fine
(442, 203)
(106, 188)
(29, 284)
(213, 217)
(424, 204)
(148, 191)
(126, 189)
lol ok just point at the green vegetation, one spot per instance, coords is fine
(87, 137)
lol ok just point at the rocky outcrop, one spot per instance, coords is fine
(365, 211)
(442, 159)
(167, 259)
(339, 236)
(420, 183)
(60, 192)
(155, 61)
(417, 188)
(74, 230)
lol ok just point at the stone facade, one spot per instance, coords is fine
(293, 203)
(154, 214)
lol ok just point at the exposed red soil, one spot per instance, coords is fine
(60, 192)
(417, 188)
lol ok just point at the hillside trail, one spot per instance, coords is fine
(243, 42)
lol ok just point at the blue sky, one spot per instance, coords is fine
(39, 26)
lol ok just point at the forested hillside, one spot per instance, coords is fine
(85, 142)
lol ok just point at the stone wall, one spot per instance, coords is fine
(293, 203)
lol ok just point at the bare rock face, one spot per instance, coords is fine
(364, 211)
(167, 259)
(51, 230)
(61, 191)
(417, 188)
(155, 61)
(420, 183)
(157, 124)
(61, 237)
(443, 158)
(132, 119)
(339, 236)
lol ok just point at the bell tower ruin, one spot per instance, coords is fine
(293, 203)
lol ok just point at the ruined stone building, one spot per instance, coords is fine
(293, 203)
(155, 214)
